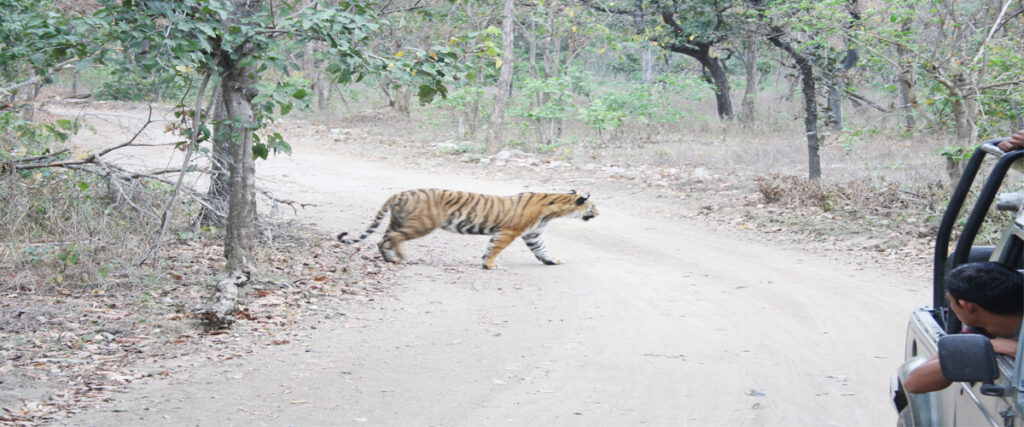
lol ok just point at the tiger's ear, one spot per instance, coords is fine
(582, 199)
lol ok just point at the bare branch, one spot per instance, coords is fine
(43, 157)
(981, 50)
(291, 203)
(29, 163)
(59, 67)
(604, 8)
(197, 120)
(415, 6)
(1001, 84)
(866, 101)
(149, 120)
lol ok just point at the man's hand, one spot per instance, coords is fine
(1005, 346)
(1014, 142)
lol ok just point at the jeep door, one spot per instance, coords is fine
(976, 409)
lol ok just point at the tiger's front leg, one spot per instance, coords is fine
(536, 244)
(498, 243)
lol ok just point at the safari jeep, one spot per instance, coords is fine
(987, 389)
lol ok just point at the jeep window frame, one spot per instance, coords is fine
(965, 251)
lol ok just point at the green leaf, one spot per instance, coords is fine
(300, 94)
(426, 93)
(82, 185)
(64, 124)
(260, 151)
(283, 147)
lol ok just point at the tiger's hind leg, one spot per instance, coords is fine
(498, 243)
(536, 244)
(391, 244)
(399, 231)
(390, 249)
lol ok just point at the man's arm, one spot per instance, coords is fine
(1005, 346)
(1014, 142)
(928, 377)
(925, 378)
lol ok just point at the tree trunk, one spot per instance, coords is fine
(238, 242)
(309, 69)
(905, 92)
(238, 92)
(714, 73)
(473, 117)
(965, 115)
(321, 93)
(750, 59)
(905, 83)
(646, 51)
(839, 81)
(496, 128)
(220, 166)
(556, 59)
(312, 69)
(548, 66)
(1018, 120)
(398, 97)
(836, 88)
(531, 40)
(811, 121)
(964, 106)
(721, 81)
(810, 102)
(404, 98)
(701, 51)
(835, 106)
(647, 64)
(308, 62)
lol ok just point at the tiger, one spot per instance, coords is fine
(416, 213)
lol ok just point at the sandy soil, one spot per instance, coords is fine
(654, 319)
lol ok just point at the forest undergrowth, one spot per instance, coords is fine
(90, 304)
(66, 348)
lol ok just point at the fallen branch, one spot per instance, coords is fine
(96, 165)
(291, 203)
(51, 161)
(44, 157)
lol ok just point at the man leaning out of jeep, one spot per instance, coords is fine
(1014, 142)
(988, 297)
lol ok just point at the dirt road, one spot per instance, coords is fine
(650, 321)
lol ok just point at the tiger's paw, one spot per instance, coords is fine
(490, 265)
(553, 261)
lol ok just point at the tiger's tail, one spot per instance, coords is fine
(373, 227)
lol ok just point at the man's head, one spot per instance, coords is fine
(990, 286)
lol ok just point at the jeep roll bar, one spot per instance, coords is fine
(962, 252)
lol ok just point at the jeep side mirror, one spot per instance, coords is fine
(969, 358)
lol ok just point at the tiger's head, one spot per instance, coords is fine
(584, 208)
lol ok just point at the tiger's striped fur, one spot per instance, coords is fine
(416, 213)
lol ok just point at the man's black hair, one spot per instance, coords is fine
(993, 286)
